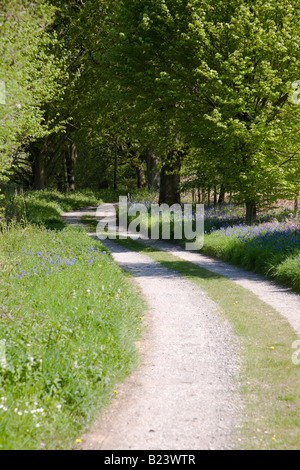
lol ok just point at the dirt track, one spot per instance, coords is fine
(183, 395)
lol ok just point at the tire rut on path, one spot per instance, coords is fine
(184, 394)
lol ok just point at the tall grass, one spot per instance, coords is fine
(44, 208)
(69, 319)
(271, 249)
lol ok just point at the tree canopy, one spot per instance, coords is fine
(220, 75)
(30, 73)
(206, 85)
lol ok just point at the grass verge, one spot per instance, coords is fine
(44, 208)
(269, 381)
(272, 250)
(69, 320)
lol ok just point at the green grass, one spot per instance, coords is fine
(44, 208)
(69, 322)
(270, 249)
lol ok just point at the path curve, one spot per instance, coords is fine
(184, 394)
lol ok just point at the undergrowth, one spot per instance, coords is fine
(69, 322)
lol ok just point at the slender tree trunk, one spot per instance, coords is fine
(141, 177)
(215, 196)
(66, 176)
(193, 196)
(40, 168)
(251, 212)
(222, 195)
(199, 194)
(153, 175)
(170, 181)
(116, 165)
(297, 206)
(72, 167)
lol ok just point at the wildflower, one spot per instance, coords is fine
(78, 441)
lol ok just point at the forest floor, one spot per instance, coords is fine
(185, 394)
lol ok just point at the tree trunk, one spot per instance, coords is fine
(141, 177)
(208, 197)
(66, 176)
(215, 196)
(297, 206)
(222, 195)
(72, 167)
(115, 185)
(251, 212)
(39, 168)
(199, 194)
(170, 181)
(153, 175)
(193, 196)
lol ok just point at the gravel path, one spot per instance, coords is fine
(183, 396)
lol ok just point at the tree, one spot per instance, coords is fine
(218, 75)
(29, 70)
